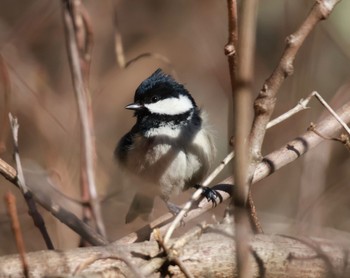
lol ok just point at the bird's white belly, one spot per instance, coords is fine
(171, 167)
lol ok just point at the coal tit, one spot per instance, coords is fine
(169, 149)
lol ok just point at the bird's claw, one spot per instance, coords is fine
(209, 193)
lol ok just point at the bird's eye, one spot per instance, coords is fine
(154, 99)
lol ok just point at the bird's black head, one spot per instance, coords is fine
(161, 95)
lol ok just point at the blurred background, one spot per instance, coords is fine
(309, 197)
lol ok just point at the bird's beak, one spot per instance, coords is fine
(134, 106)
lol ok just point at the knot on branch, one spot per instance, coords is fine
(325, 7)
(229, 49)
(287, 68)
(292, 40)
(263, 103)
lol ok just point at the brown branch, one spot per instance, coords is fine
(270, 164)
(16, 229)
(101, 257)
(156, 56)
(172, 254)
(242, 93)
(65, 216)
(88, 42)
(266, 100)
(4, 75)
(28, 197)
(85, 116)
(209, 255)
(118, 41)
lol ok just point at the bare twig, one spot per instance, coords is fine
(172, 251)
(85, 114)
(242, 93)
(16, 229)
(326, 105)
(270, 164)
(344, 138)
(118, 41)
(88, 42)
(265, 102)
(302, 105)
(156, 56)
(36, 96)
(32, 209)
(231, 46)
(172, 254)
(4, 75)
(101, 257)
(65, 216)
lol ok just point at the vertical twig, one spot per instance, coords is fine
(241, 81)
(330, 110)
(118, 40)
(32, 209)
(16, 229)
(265, 102)
(231, 46)
(85, 112)
(4, 75)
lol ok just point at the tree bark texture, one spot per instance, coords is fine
(210, 255)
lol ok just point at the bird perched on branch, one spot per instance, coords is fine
(169, 148)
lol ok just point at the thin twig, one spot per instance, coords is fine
(118, 41)
(16, 229)
(88, 42)
(100, 257)
(302, 105)
(326, 105)
(172, 254)
(266, 100)
(156, 56)
(65, 216)
(270, 164)
(35, 95)
(32, 209)
(242, 93)
(85, 114)
(344, 138)
(4, 75)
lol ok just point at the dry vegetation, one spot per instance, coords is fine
(54, 56)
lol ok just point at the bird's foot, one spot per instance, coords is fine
(174, 210)
(208, 193)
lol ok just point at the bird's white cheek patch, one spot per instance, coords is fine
(171, 106)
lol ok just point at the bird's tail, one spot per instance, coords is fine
(141, 205)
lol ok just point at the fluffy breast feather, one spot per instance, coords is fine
(171, 158)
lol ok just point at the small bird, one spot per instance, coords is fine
(170, 147)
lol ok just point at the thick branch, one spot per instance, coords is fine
(265, 102)
(208, 255)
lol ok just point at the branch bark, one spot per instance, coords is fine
(266, 100)
(208, 255)
(88, 151)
